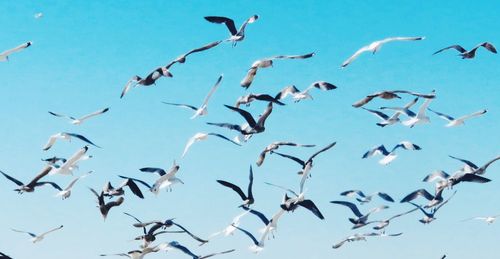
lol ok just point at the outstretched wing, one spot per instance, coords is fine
(234, 187)
(457, 47)
(227, 21)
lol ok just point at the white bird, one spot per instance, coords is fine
(229, 230)
(4, 56)
(167, 179)
(202, 110)
(38, 15)
(72, 163)
(66, 136)
(37, 238)
(385, 119)
(487, 219)
(389, 156)
(203, 136)
(420, 117)
(366, 198)
(376, 45)
(298, 95)
(66, 192)
(78, 121)
(457, 121)
(274, 146)
(236, 35)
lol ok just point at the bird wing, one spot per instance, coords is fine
(376, 150)
(266, 97)
(457, 47)
(182, 105)
(352, 206)
(286, 91)
(363, 101)
(234, 187)
(350, 193)
(248, 79)
(51, 141)
(259, 214)
(251, 19)
(385, 196)
(21, 231)
(321, 151)
(134, 188)
(184, 249)
(415, 194)
(302, 163)
(246, 115)
(339, 244)
(136, 180)
(472, 115)
(62, 115)
(19, 183)
(205, 102)
(283, 188)
(229, 126)
(355, 55)
(436, 174)
(155, 170)
(52, 230)
(93, 114)
(130, 83)
(208, 46)
(190, 143)
(115, 203)
(386, 40)
(4, 55)
(57, 187)
(227, 21)
(467, 162)
(217, 253)
(190, 234)
(485, 166)
(423, 107)
(250, 183)
(402, 214)
(248, 234)
(308, 55)
(442, 115)
(488, 46)
(262, 119)
(406, 145)
(82, 138)
(40, 175)
(140, 222)
(308, 204)
(379, 114)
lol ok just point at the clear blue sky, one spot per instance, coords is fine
(84, 52)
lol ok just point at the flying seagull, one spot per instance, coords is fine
(376, 45)
(236, 35)
(182, 58)
(474, 169)
(274, 146)
(166, 179)
(361, 219)
(111, 191)
(429, 216)
(351, 238)
(229, 230)
(66, 192)
(487, 219)
(166, 224)
(175, 245)
(419, 118)
(30, 187)
(38, 15)
(389, 156)
(78, 121)
(458, 121)
(149, 235)
(247, 99)
(247, 198)
(103, 206)
(66, 136)
(267, 62)
(387, 95)
(202, 110)
(136, 254)
(366, 198)
(384, 223)
(4, 56)
(72, 163)
(203, 136)
(385, 119)
(148, 80)
(471, 53)
(37, 238)
(254, 126)
(298, 95)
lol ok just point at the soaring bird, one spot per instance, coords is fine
(362, 219)
(66, 136)
(4, 56)
(175, 245)
(267, 62)
(457, 121)
(366, 198)
(274, 146)
(37, 238)
(471, 53)
(236, 35)
(474, 169)
(298, 95)
(66, 192)
(182, 58)
(111, 191)
(376, 45)
(156, 224)
(105, 207)
(389, 156)
(30, 187)
(166, 179)
(203, 136)
(72, 163)
(202, 110)
(420, 117)
(487, 219)
(387, 95)
(149, 235)
(254, 126)
(78, 121)
(385, 119)
(351, 238)
(137, 254)
(429, 216)
(384, 223)
(148, 80)
(247, 99)
(248, 198)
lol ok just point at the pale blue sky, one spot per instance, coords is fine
(84, 52)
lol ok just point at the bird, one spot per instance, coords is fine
(254, 126)
(389, 156)
(4, 256)
(351, 238)
(430, 216)
(265, 63)
(434, 200)
(366, 198)
(229, 230)
(387, 95)
(150, 79)
(307, 164)
(30, 187)
(110, 191)
(166, 179)
(37, 238)
(66, 192)
(78, 121)
(202, 110)
(38, 15)
(54, 160)
(487, 219)
(471, 53)
(72, 163)
(452, 122)
(104, 207)
(156, 224)
(473, 168)
(66, 136)
(385, 119)
(274, 146)
(298, 95)
(203, 136)
(361, 219)
(248, 198)
(375, 46)
(182, 58)
(4, 56)
(136, 254)
(149, 235)
(290, 204)
(176, 245)
(420, 117)
(236, 35)
(384, 223)
(247, 99)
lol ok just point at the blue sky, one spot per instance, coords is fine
(84, 52)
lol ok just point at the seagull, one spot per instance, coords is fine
(274, 146)
(361, 219)
(203, 136)
(298, 95)
(38, 15)
(471, 53)
(474, 169)
(103, 206)
(458, 121)
(66, 136)
(387, 95)
(255, 126)
(351, 238)
(168, 223)
(384, 223)
(429, 216)
(71, 164)
(37, 238)
(30, 187)
(150, 235)
(420, 117)
(248, 198)
(4, 56)
(376, 45)
(148, 80)
(78, 121)
(202, 110)
(247, 99)
(389, 156)
(182, 58)
(175, 245)
(54, 160)
(110, 191)
(136, 254)
(236, 35)
(267, 62)
(366, 198)
(434, 200)
(386, 120)
(165, 180)
(290, 204)
(307, 164)
(66, 192)
(229, 230)
(487, 219)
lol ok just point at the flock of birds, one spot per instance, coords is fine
(110, 197)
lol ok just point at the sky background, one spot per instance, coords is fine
(84, 52)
